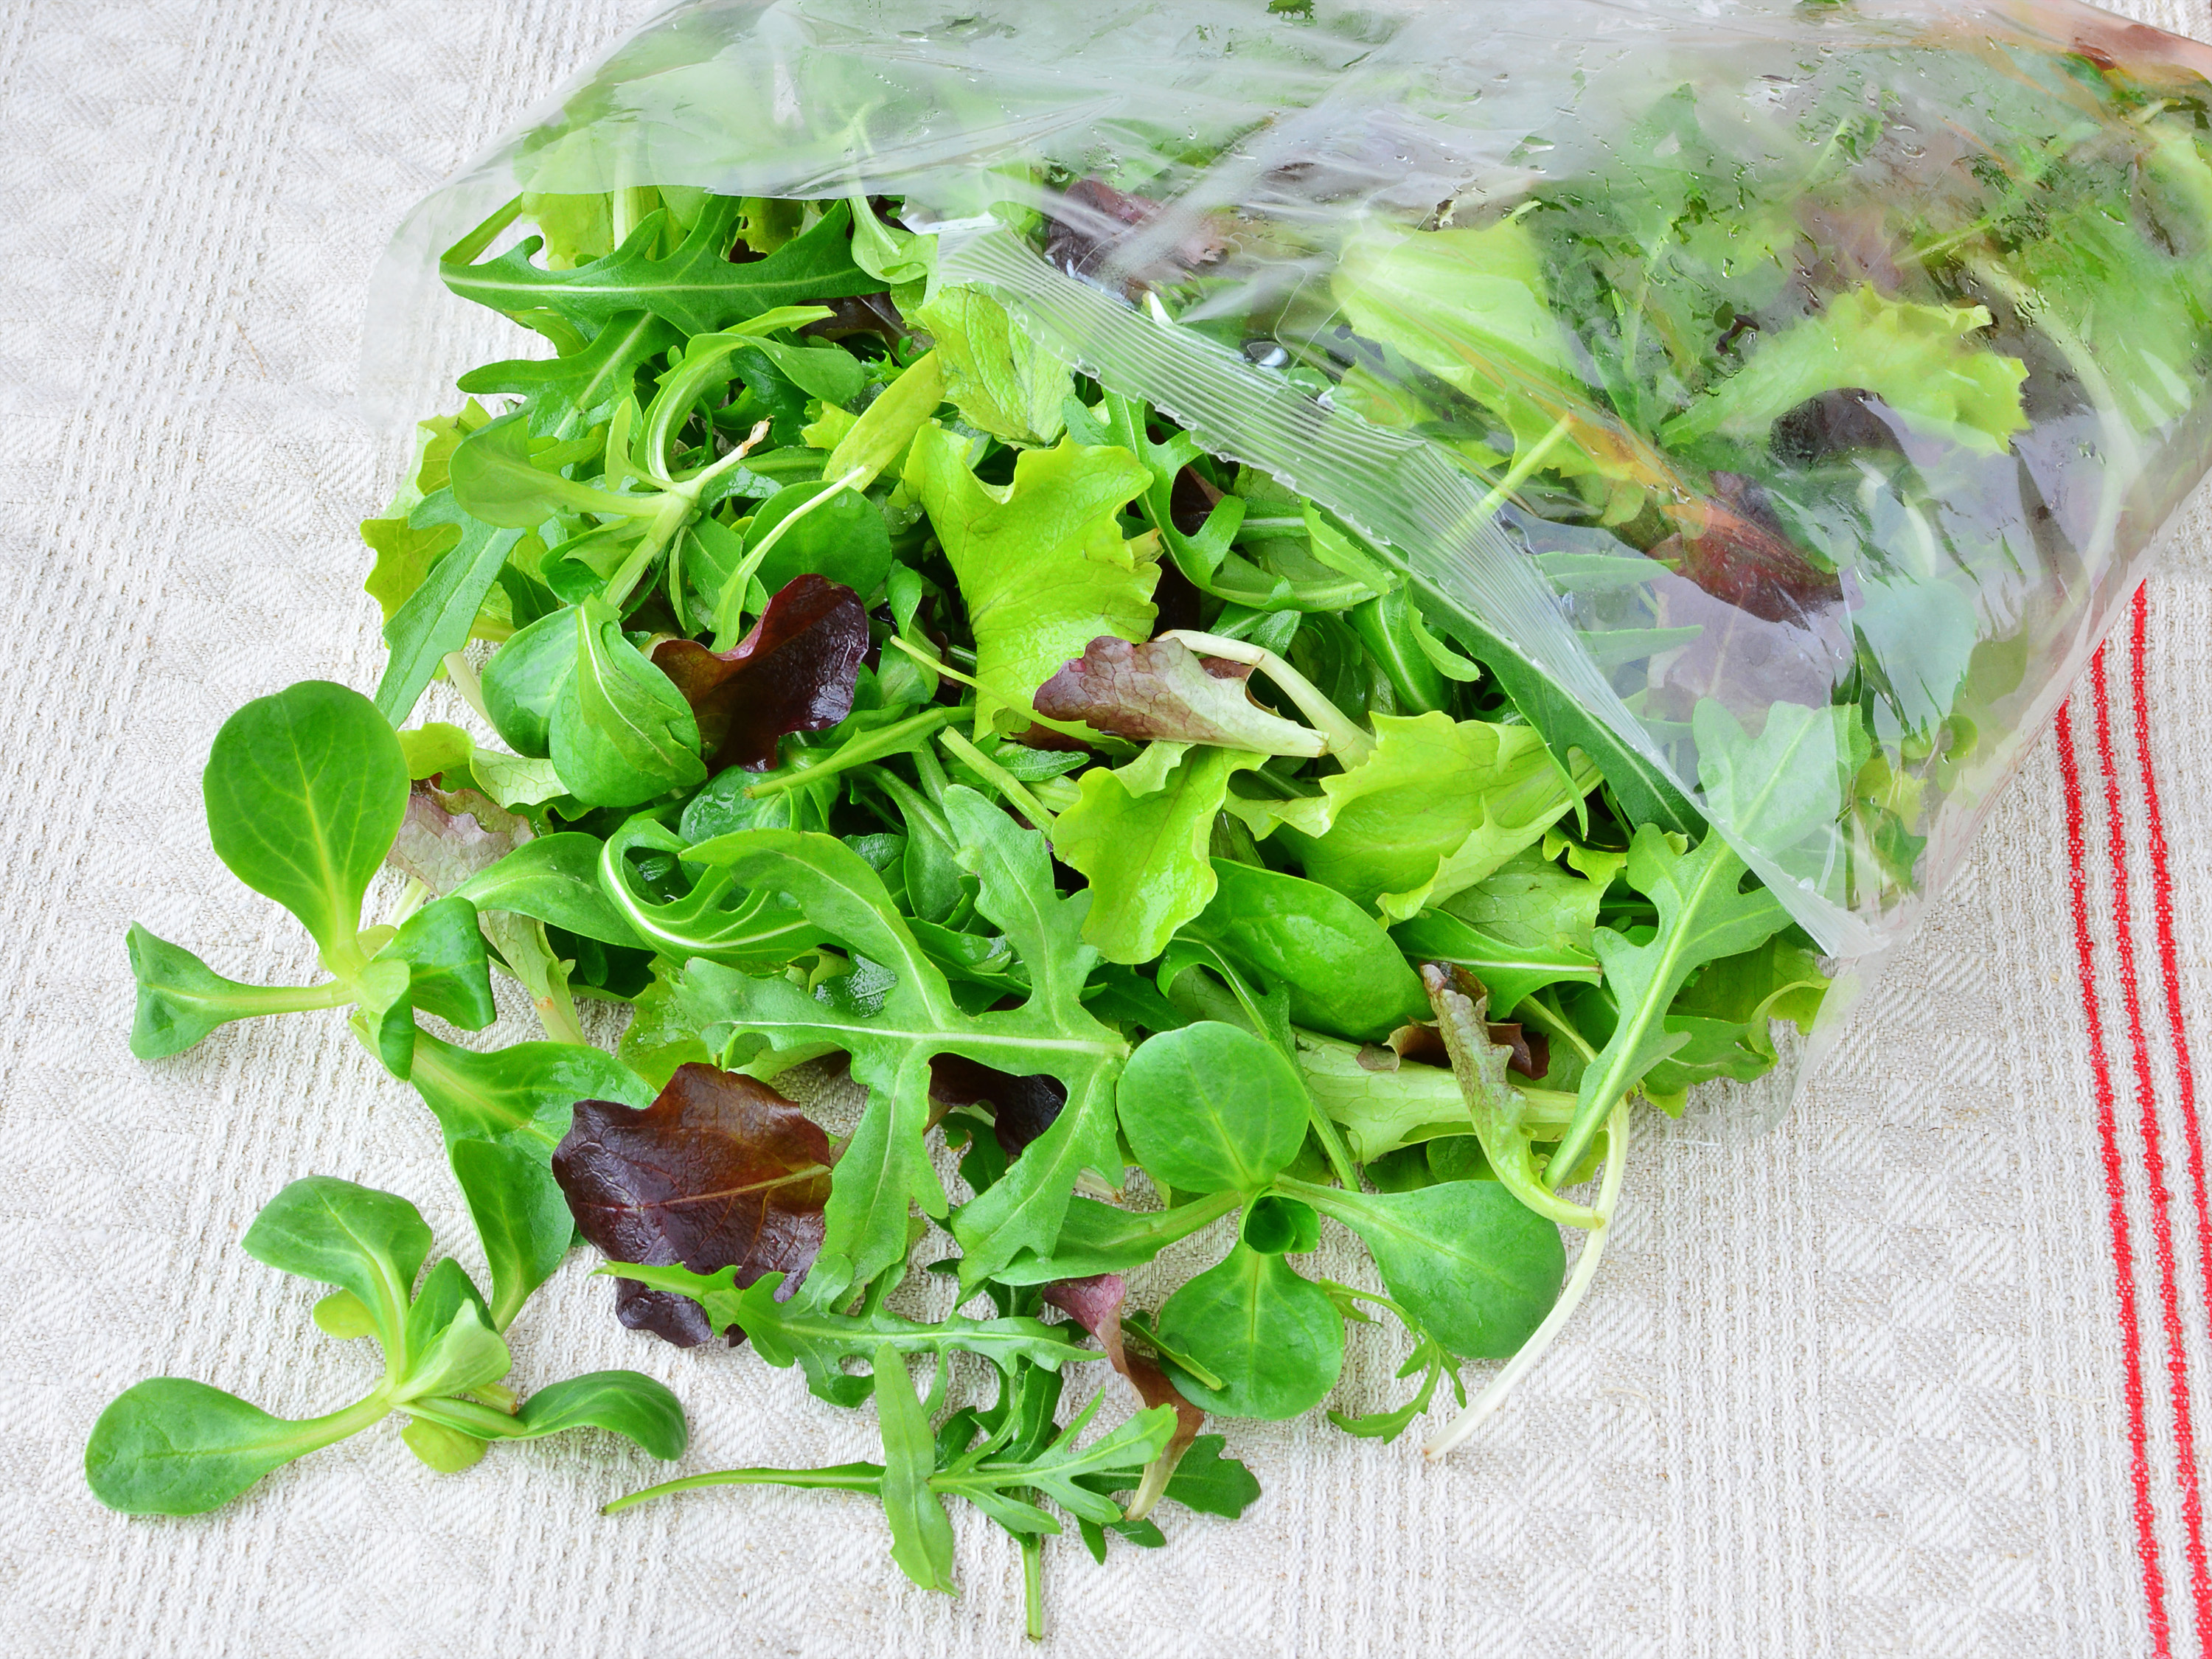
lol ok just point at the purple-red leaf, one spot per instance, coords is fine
(720, 1171)
(794, 673)
(1092, 221)
(1023, 1108)
(1163, 689)
(1094, 1304)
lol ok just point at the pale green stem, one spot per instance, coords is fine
(1002, 779)
(463, 674)
(1577, 1284)
(1345, 741)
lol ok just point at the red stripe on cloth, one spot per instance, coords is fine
(2123, 1254)
(2154, 1153)
(2161, 871)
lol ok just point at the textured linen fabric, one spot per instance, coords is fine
(1925, 1369)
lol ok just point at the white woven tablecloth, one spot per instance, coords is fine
(1925, 1370)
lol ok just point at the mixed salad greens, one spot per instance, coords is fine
(873, 689)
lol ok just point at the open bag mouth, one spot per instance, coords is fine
(1253, 616)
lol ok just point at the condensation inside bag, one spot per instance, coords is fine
(1815, 571)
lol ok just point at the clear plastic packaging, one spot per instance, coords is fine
(1783, 398)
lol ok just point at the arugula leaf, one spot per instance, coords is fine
(892, 1041)
(1041, 563)
(784, 1330)
(438, 616)
(921, 1533)
(1140, 834)
(567, 395)
(1704, 914)
(696, 287)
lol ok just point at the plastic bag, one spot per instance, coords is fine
(1771, 394)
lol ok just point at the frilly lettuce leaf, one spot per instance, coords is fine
(1440, 804)
(1917, 359)
(1140, 834)
(1041, 562)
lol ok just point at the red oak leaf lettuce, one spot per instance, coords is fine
(720, 1171)
(794, 673)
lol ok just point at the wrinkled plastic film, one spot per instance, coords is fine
(1831, 621)
(1395, 489)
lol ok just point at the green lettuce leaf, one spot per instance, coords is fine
(995, 372)
(1438, 805)
(1917, 359)
(1140, 834)
(1041, 562)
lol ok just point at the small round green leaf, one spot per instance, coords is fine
(524, 677)
(1474, 1265)
(171, 1446)
(844, 538)
(1276, 1341)
(305, 790)
(446, 1450)
(1209, 1108)
(1274, 1225)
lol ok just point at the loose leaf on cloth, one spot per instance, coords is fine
(1163, 690)
(169, 1446)
(1094, 1304)
(785, 1330)
(794, 673)
(720, 1171)
(892, 1036)
(1140, 834)
(697, 286)
(305, 790)
(1041, 562)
